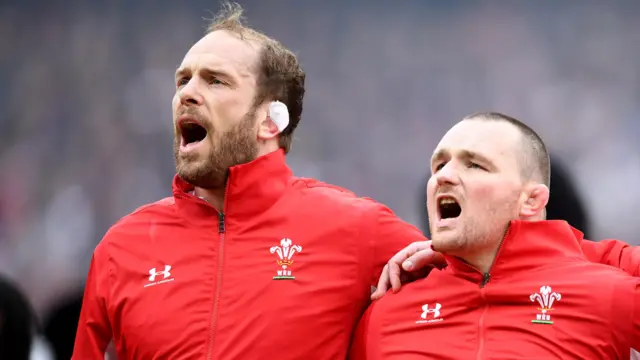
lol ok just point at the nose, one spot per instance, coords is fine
(190, 94)
(448, 174)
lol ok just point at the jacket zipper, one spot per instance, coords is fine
(216, 301)
(486, 277)
(485, 280)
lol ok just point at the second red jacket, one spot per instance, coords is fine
(541, 299)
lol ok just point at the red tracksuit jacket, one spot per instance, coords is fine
(284, 271)
(542, 299)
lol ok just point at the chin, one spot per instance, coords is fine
(445, 241)
(202, 179)
(198, 173)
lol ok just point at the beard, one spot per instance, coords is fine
(476, 234)
(235, 146)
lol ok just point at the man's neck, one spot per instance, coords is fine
(215, 197)
(483, 258)
(481, 261)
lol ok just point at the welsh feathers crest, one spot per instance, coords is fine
(285, 258)
(545, 299)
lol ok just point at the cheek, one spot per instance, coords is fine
(175, 102)
(490, 195)
(496, 197)
(431, 190)
(225, 113)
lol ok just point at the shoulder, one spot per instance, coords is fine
(336, 196)
(598, 273)
(340, 202)
(140, 221)
(591, 285)
(438, 283)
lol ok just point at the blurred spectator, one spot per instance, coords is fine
(565, 203)
(17, 323)
(61, 323)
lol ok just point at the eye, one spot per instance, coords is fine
(438, 167)
(473, 165)
(182, 81)
(215, 81)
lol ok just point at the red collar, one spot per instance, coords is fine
(527, 245)
(251, 189)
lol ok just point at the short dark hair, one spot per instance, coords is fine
(536, 164)
(280, 76)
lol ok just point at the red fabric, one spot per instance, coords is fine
(615, 253)
(456, 314)
(219, 299)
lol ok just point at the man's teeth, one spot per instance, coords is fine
(447, 201)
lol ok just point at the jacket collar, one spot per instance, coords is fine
(251, 189)
(526, 246)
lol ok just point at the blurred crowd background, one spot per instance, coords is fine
(85, 110)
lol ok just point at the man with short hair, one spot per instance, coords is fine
(515, 286)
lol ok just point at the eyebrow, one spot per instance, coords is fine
(183, 72)
(466, 154)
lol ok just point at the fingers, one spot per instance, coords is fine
(418, 260)
(394, 276)
(405, 253)
(417, 255)
(383, 284)
(424, 258)
(417, 274)
(392, 272)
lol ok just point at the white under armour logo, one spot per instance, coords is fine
(435, 311)
(153, 273)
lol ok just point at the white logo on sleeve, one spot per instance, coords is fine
(153, 274)
(430, 314)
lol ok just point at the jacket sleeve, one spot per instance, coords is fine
(94, 330)
(613, 253)
(634, 336)
(391, 234)
(358, 349)
(624, 302)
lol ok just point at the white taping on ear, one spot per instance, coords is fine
(279, 114)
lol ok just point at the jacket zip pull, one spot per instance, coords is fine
(485, 279)
(221, 228)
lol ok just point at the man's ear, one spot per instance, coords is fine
(535, 199)
(267, 129)
(273, 119)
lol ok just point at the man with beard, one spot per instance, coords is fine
(516, 286)
(244, 260)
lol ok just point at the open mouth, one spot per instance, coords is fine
(192, 133)
(448, 208)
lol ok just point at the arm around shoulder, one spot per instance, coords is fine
(94, 329)
(390, 235)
